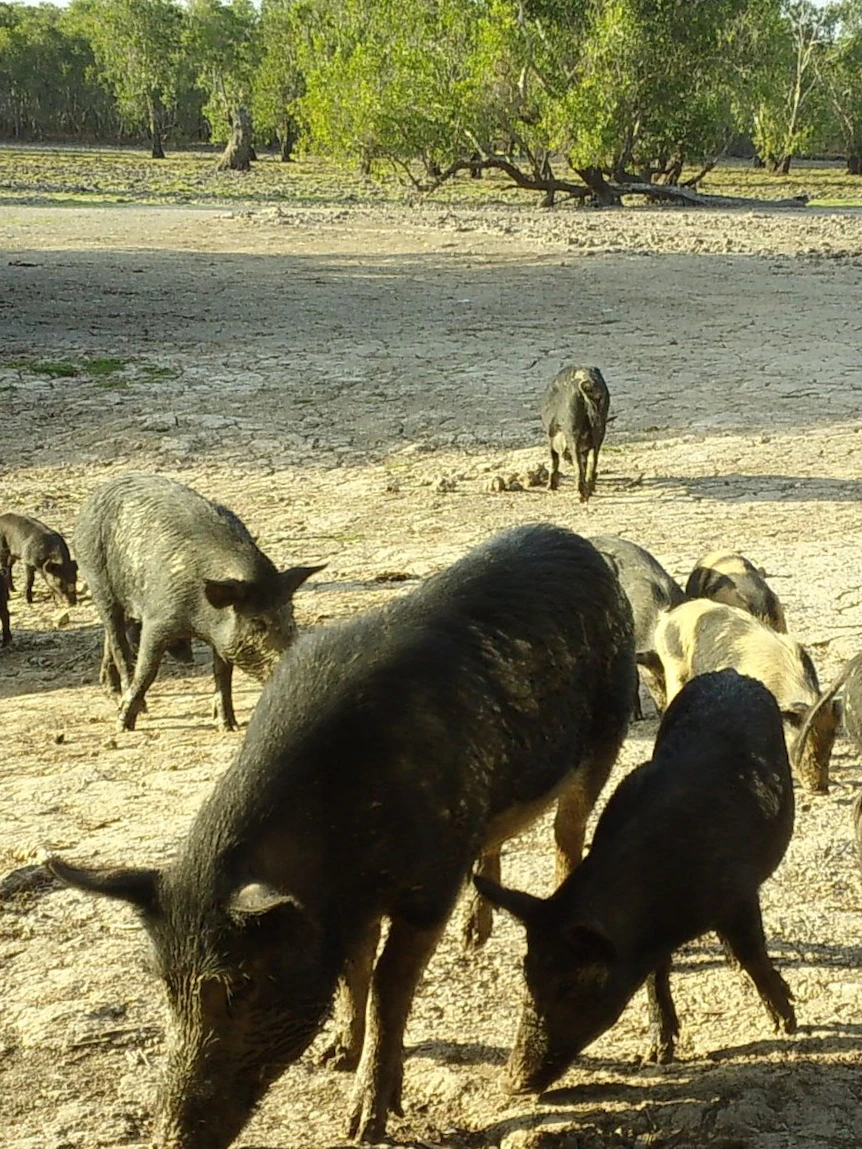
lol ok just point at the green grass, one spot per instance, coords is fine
(107, 372)
(54, 370)
(105, 176)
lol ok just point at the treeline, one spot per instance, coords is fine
(622, 92)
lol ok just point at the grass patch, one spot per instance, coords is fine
(79, 176)
(102, 367)
(53, 369)
(151, 371)
(106, 371)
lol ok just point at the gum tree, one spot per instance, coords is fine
(136, 44)
(222, 42)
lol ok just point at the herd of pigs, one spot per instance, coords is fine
(391, 755)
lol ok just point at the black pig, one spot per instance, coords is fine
(385, 754)
(159, 554)
(40, 549)
(651, 591)
(575, 414)
(681, 848)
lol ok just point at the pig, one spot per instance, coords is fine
(385, 754)
(4, 606)
(681, 848)
(650, 590)
(40, 549)
(724, 576)
(159, 554)
(702, 635)
(850, 678)
(575, 415)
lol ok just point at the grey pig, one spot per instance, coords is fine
(158, 553)
(41, 549)
(575, 415)
(651, 592)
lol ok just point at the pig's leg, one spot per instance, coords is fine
(583, 487)
(6, 561)
(574, 806)
(223, 711)
(664, 1023)
(150, 651)
(377, 1091)
(744, 935)
(554, 477)
(29, 579)
(593, 467)
(109, 676)
(351, 1003)
(117, 647)
(653, 670)
(479, 920)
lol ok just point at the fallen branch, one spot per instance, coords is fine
(679, 194)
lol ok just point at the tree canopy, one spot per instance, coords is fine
(618, 92)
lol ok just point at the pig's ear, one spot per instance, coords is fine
(524, 907)
(291, 580)
(590, 942)
(140, 887)
(227, 592)
(257, 898)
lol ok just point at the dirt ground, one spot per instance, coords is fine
(321, 371)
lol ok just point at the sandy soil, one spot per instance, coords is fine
(321, 372)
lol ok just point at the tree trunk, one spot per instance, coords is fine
(854, 165)
(237, 155)
(784, 166)
(156, 111)
(289, 136)
(599, 186)
(758, 161)
(546, 173)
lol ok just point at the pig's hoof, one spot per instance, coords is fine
(339, 1055)
(372, 1104)
(477, 926)
(659, 1053)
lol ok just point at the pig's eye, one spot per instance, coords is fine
(239, 991)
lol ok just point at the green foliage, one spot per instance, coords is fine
(222, 41)
(618, 87)
(48, 83)
(840, 74)
(279, 81)
(136, 46)
(390, 79)
(789, 112)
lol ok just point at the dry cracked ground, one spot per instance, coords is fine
(321, 371)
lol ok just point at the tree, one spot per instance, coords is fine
(222, 39)
(136, 44)
(786, 118)
(279, 82)
(840, 74)
(48, 85)
(390, 80)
